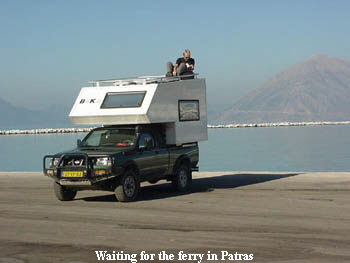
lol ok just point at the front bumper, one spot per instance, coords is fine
(83, 175)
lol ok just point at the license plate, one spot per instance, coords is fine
(73, 174)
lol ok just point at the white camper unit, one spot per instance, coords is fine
(180, 105)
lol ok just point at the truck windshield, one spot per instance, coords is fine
(110, 137)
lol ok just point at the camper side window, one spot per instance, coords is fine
(146, 142)
(123, 100)
(189, 110)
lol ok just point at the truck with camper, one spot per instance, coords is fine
(148, 130)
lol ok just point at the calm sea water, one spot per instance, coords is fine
(311, 148)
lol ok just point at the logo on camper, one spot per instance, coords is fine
(88, 101)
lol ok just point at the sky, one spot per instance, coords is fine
(50, 49)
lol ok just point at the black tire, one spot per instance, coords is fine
(62, 193)
(183, 178)
(128, 188)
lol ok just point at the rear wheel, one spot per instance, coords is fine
(62, 193)
(128, 188)
(182, 179)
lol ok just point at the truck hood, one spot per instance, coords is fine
(95, 151)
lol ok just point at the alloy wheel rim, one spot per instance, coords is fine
(129, 186)
(183, 178)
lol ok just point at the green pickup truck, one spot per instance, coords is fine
(118, 159)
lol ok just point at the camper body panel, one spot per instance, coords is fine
(181, 105)
(88, 108)
(167, 104)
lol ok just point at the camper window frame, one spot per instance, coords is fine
(199, 115)
(125, 93)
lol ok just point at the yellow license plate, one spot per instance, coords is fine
(73, 174)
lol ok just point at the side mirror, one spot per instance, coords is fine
(78, 143)
(142, 148)
(148, 144)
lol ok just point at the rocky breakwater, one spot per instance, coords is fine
(45, 131)
(279, 124)
(237, 125)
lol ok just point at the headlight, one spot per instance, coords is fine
(103, 161)
(54, 162)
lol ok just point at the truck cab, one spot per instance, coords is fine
(159, 140)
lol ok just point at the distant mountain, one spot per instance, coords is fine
(317, 89)
(214, 111)
(13, 117)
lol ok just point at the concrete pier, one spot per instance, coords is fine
(277, 217)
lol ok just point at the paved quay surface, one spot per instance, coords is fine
(277, 217)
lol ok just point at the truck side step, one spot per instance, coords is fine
(195, 169)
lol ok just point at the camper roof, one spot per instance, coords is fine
(142, 80)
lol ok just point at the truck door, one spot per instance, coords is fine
(152, 160)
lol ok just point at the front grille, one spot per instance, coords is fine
(74, 160)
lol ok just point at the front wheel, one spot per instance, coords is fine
(182, 179)
(62, 193)
(128, 188)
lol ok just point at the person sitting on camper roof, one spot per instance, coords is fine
(183, 66)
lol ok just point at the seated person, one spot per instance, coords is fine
(183, 66)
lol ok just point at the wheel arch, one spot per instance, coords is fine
(131, 165)
(180, 160)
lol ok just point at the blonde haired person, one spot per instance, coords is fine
(183, 65)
